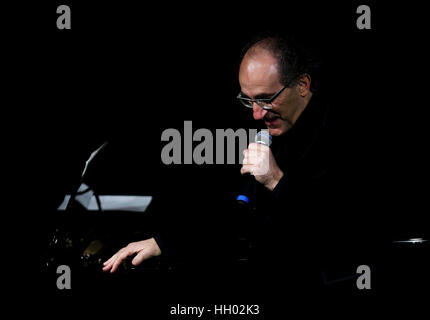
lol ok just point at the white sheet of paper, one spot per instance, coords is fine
(111, 203)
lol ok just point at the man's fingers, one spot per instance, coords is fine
(245, 157)
(247, 168)
(252, 153)
(257, 147)
(106, 268)
(246, 161)
(121, 256)
(115, 265)
(145, 249)
(116, 259)
(110, 260)
(108, 264)
(141, 256)
(256, 154)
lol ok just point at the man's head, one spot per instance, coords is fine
(267, 67)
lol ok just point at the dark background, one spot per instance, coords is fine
(127, 71)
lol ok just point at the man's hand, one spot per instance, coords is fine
(145, 249)
(259, 161)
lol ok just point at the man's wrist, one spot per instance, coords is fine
(272, 184)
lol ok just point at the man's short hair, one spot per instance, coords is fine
(294, 58)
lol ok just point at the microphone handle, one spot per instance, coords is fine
(248, 189)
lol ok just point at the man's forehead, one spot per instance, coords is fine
(258, 73)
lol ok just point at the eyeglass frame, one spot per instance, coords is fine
(260, 101)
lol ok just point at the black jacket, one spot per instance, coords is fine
(290, 221)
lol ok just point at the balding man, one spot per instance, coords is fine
(278, 81)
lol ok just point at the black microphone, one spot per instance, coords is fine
(249, 185)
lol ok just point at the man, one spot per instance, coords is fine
(278, 81)
(278, 95)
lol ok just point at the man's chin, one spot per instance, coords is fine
(276, 131)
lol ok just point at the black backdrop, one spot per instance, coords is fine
(127, 71)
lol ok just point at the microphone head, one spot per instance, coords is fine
(263, 137)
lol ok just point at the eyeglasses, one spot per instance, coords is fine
(266, 104)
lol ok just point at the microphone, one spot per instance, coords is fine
(248, 189)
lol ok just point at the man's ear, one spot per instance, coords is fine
(304, 85)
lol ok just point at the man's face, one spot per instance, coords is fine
(259, 79)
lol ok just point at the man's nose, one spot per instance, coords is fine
(258, 112)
